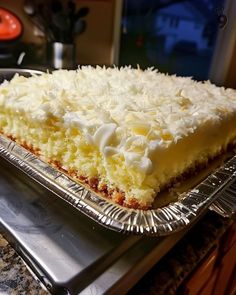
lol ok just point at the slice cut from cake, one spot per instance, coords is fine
(126, 133)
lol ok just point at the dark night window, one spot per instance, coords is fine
(174, 36)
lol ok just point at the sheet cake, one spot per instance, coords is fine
(126, 133)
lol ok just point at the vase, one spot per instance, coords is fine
(61, 55)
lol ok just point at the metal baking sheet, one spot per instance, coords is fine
(156, 222)
(70, 253)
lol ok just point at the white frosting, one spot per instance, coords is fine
(127, 111)
(103, 135)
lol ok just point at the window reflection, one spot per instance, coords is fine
(174, 36)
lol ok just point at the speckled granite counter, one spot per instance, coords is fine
(164, 278)
(15, 278)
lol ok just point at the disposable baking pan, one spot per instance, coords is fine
(173, 210)
(217, 191)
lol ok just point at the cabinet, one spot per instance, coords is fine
(216, 275)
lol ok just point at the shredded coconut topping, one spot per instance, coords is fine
(127, 111)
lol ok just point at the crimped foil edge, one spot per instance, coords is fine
(154, 222)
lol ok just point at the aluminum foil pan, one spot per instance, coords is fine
(220, 186)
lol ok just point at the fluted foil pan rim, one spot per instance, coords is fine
(154, 222)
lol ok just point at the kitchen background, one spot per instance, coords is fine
(94, 45)
(190, 38)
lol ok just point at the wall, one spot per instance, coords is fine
(230, 80)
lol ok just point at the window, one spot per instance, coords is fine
(182, 43)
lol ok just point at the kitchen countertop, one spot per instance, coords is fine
(164, 278)
(15, 278)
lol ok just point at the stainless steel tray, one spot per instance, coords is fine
(69, 252)
(171, 218)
